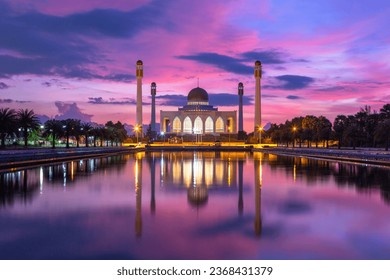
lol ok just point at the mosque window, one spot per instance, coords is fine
(187, 125)
(198, 125)
(209, 125)
(177, 125)
(219, 125)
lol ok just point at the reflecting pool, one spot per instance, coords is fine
(196, 205)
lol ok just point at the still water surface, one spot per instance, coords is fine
(201, 205)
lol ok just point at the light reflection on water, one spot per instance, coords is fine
(196, 205)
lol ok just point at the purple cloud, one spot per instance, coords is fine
(3, 85)
(71, 111)
(291, 82)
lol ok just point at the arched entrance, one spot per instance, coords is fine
(198, 126)
(187, 125)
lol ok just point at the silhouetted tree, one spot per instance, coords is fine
(69, 126)
(323, 130)
(86, 130)
(53, 128)
(339, 126)
(309, 129)
(382, 132)
(27, 121)
(7, 124)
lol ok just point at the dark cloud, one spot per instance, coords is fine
(3, 85)
(227, 63)
(107, 22)
(228, 99)
(334, 88)
(171, 100)
(300, 60)
(46, 84)
(215, 99)
(239, 65)
(266, 57)
(269, 96)
(42, 118)
(7, 100)
(58, 45)
(113, 101)
(293, 97)
(2, 101)
(291, 82)
(119, 77)
(10, 65)
(70, 111)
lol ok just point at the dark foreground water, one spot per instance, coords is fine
(202, 205)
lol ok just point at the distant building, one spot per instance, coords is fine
(198, 117)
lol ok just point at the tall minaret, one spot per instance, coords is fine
(139, 74)
(153, 117)
(240, 114)
(258, 96)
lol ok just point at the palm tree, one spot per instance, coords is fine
(77, 131)
(27, 121)
(95, 134)
(53, 128)
(69, 126)
(86, 129)
(7, 124)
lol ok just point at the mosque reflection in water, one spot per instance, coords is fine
(24, 184)
(200, 174)
(197, 174)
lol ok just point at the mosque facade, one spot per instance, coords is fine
(198, 117)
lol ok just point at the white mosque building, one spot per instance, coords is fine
(198, 117)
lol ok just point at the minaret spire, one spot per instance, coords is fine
(153, 113)
(241, 135)
(258, 70)
(139, 74)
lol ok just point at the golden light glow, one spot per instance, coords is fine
(136, 173)
(295, 173)
(187, 173)
(71, 171)
(229, 171)
(209, 172)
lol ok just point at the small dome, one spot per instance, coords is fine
(197, 196)
(257, 62)
(139, 62)
(198, 95)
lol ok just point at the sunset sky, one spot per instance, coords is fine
(77, 58)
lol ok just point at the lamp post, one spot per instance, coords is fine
(294, 130)
(260, 129)
(136, 132)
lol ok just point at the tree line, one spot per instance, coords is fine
(25, 124)
(363, 129)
